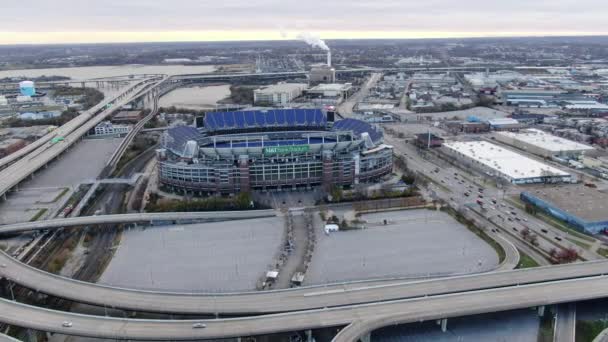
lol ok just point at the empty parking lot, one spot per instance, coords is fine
(206, 257)
(414, 243)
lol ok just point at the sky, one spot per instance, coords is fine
(93, 21)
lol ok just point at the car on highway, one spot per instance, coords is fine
(66, 324)
(3, 265)
(544, 231)
(199, 325)
(558, 238)
(515, 229)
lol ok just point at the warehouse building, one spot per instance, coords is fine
(279, 94)
(496, 161)
(585, 208)
(543, 144)
(282, 149)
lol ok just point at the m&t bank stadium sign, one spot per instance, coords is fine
(286, 149)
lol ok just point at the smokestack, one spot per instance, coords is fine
(328, 58)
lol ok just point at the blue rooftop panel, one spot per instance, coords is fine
(225, 121)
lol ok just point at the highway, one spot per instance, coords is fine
(367, 317)
(500, 300)
(72, 131)
(61, 131)
(450, 185)
(133, 218)
(279, 300)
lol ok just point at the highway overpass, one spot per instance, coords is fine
(280, 300)
(134, 218)
(360, 319)
(33, 160)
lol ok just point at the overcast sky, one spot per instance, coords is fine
(41, 21)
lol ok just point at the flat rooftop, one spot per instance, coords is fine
(587, 203)
(281, 87)
(547, 141)
(507, 162)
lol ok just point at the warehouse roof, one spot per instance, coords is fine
(581, 201)
(507, 162)
(547, 141)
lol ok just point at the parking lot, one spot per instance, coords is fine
(46, 190)
(206, 257)
(413, 243)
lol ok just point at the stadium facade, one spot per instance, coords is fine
(271, 150)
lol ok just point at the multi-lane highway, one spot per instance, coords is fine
(279, 300)
(71, 132)
(367, 316)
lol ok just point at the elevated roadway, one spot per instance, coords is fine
(360, 319)
(134, 218)
(279, 300)
(71, 132)
(64, 129)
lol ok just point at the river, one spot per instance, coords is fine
(196, 98)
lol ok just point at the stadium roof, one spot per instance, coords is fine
(178, 136)
(260, 119)
(358, 127)
(509, 163)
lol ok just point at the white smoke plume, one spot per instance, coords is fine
(312, 40)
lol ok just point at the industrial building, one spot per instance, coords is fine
(543, 144)
(108, 128)
(279, 94)
(281, 149)
(428, 140)
(585, 208)
(330, 94)
(496, 161)
(128, 116)
(322, 73)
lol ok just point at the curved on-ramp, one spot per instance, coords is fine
(370, 316)
(279, 300)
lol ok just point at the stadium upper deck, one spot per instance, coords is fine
(240, 151)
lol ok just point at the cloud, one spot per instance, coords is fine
(390, 16)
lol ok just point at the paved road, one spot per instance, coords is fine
(502, 300)
(565, 323)
(133, 218)
(500, 213)
(280, 300)
(367, 317)
(72, 131)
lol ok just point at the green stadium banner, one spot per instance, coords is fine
(286, 149)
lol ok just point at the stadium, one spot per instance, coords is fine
(284, 149)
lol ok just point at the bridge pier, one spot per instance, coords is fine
(541, 311)
(366, 338)
(309, 335)
(443, 323)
